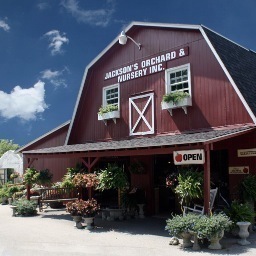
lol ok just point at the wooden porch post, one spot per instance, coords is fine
(89, 164)
(207, 180)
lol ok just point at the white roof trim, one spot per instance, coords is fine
(43, 136)
(228, 75)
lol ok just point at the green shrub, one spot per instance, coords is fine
(209, 226)
(239, 212)
(189, 186)
(30, 176)
(181, 223)
(248, 188)
(25, 207)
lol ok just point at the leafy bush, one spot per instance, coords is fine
(85, 180)
(44, 177)
(209, 226)
(239, 212)
(248, 187)
(83, 208)
(112, 177)
(189, 186)
(30, 176)
(179, 224)
(25, 207)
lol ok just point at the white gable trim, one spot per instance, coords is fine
(41, 137)
(228, 76)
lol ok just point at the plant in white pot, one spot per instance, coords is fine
(182, 226)
(113, 177)
(109, 111)
(212, 227)
(242, 215)
(176, 99)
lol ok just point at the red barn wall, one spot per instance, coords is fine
(246, 141)
(215, 102)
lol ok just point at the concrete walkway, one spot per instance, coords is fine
(52, 233)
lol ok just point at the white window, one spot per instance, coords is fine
(178, 79)
(111, 95)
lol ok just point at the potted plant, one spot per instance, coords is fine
(182, 226)
(45, 177)
(109, 111)
(4, 194)
(86, 180)
(14, 175)
(212, 227)
(90, 209)
(176, 99)
(113, 177)
(81, 208)
(24, 207)
(189, 186)
(242, 215)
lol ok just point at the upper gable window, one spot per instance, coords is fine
(111, 95)
(178, 79)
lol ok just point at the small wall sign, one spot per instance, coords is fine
(196, 156)
(238, 170)
(246, 152)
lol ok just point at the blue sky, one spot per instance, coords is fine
(46, 45)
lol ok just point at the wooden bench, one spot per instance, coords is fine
(50, 195)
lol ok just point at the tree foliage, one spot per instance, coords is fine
(6, 145)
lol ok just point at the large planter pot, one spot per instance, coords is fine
(4, 200)
(141, 211)
(115, 214)
(215, 241)
(89, 221)
(78, 221)
(184, 103)
(186, 237)
(243, 232)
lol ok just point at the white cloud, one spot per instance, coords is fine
(4, 25)
(55, 77)
(25, 104)
(99, 17)
(42, 6)
(57, 40)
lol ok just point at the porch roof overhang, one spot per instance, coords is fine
(140, 146)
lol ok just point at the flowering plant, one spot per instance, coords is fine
(172, 180)
(86, 180)
(14, 175)
(81, 207)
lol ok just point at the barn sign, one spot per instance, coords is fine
(238, 170)
(146, 67)
(246, 152)
(196, 156)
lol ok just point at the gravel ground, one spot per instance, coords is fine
(53, 233)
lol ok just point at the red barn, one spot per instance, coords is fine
(213, 126)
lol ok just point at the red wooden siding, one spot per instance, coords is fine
(215, 102)
(57, 166)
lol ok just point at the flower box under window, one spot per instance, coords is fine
(109, 115)
(184, 103)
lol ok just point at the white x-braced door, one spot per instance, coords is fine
(141, 114)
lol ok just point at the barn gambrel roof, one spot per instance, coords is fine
(238, 63)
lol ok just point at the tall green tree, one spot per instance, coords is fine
(6, 145)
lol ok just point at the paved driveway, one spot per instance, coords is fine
(52, 233)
